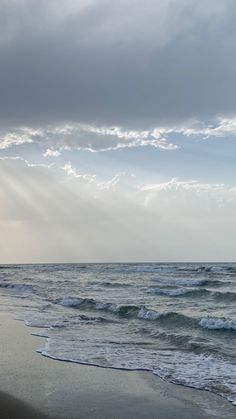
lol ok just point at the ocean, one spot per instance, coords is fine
(177, 321)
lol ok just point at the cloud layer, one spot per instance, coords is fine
(77, 136)
(122, 63)
(83, 137)
(98, 75)
(61, 215)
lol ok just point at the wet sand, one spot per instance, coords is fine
(11, 408)
(33, 386)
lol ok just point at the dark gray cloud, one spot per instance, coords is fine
(123, 62)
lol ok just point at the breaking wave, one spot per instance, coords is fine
(214, 323)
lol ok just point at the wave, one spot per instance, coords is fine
(176, 292)
(228, 296)
(167, 319)
(217, 323)
(139, 312)
(173, 318)
(148, 314)
(51, 323)
(96, 319)
(231, 269)
(116, 285)
(17, 287)
(190, 282)
(186, 342)
(9, 267)
(192, 268)
(201, 371)
(6, 285)
(122, 310)
(194, 292)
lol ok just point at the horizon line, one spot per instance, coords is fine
(116, 263)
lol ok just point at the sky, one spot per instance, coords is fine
(117, 131)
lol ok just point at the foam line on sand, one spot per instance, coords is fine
(65, 390)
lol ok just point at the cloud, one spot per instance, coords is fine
(223, 128)
(83, 137)
(55, 139)
(120, 63)
(15, 138)
(61, 215)
(220, 127)
(51, 153)
(112, 75)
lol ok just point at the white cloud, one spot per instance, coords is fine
(83, 137)
(19, 136)
(14, 138)
(225, 127)
(55, 139)
(61, 215)
(222, 127)
(51, 153)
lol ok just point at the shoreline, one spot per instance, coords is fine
(67, 390)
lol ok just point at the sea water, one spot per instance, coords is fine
(177, 321)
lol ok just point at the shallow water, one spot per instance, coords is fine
(176, 320)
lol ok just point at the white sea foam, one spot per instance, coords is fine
(170, 292)
(199, 371)
(70, 302)
(107, 307)
(188, 282)
(214, 323)
(148, 314)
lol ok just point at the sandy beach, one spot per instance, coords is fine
(33, 386)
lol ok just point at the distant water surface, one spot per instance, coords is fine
(176, 320)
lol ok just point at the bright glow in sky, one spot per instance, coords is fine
(117, 130)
